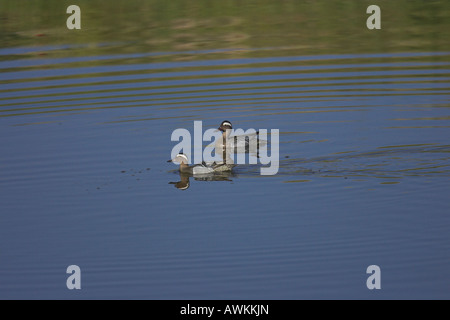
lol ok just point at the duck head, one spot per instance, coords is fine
(225, 125)
(180, 158)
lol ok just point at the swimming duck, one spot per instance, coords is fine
(237, 143)
(203, 168)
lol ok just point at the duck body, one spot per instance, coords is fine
(199, 169)
(245, 143)
(222, 166)
(237, 144)
(202, 168)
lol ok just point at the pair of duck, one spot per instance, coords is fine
(228, 143)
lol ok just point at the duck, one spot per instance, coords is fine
(237, 143)
(202, 168)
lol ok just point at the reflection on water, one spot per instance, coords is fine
(184, 183)
(364, 164)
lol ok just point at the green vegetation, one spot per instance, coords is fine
(294, 26)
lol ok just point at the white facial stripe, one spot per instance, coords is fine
(225, 123)
(183, 156)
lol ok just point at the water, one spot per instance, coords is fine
(363, 178)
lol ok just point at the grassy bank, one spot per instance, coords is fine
(293, 26)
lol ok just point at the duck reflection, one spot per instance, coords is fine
(184, 183)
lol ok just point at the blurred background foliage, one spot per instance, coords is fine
(292, 26)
